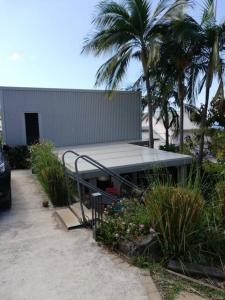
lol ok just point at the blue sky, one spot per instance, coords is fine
(41, 41)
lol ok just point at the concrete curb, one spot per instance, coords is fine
(149, 285)
(144, 276)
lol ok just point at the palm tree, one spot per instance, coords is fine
(127, 30)
(216, 113)
(169, 117)
(211, 61)
(165, 99)
(181, 44)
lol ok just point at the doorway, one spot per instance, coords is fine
(32, 128)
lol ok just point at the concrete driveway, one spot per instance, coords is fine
(39, 260)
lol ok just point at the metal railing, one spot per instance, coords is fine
(97, 212)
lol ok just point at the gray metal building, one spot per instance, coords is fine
(68, 117)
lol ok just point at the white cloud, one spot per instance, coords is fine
(15, 56)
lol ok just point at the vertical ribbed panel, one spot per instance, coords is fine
(72, 117)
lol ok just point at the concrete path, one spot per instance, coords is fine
(39, 260)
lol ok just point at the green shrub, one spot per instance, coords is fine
(169, 148)
(18, 157)
(217, 145)
(212, 173)
(175, 213)
(220, 189)
(127, 220)
(212, 235)
(50, 173)
(214, 169)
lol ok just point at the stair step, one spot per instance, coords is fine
(68, 218)
(77, 210)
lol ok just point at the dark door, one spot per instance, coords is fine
(32, 128)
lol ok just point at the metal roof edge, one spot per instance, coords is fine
(65, 90)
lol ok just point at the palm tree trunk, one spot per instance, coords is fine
(166, 125)
(167, 137)
(181, 103)
(202, 127)
(149, 96)
(150, 114)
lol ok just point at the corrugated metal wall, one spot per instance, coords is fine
(71, 117)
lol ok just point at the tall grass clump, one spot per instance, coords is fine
(49, 172)
(175, 214)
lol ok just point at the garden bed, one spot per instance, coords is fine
(173, 226)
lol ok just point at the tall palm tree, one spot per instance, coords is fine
(211, 62)
(126, 30)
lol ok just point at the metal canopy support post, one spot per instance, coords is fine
(182, 175)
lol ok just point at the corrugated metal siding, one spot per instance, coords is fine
(72, 117)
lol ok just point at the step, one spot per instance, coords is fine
(77, 210)
(68, 218)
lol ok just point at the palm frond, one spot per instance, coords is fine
(160, 8)
(109, 14)
(139, 14)
(193, 112)
(106, 41)
(178, 9)
(112, 71)
(208, 13)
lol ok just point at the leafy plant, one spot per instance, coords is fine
(50, 173)
(127, 220)
(217, 145)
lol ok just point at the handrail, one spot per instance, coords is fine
(98, 165)
(67, 184)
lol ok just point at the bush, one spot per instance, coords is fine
(169, 148)
(212, 173)
(127, 220)
(216, 170)
(50, 173)
(220, 189)
(18, 157)
(212, 236)
(175, 213)
(217, 145)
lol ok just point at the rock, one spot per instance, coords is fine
(138, 247)
(126, 247)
